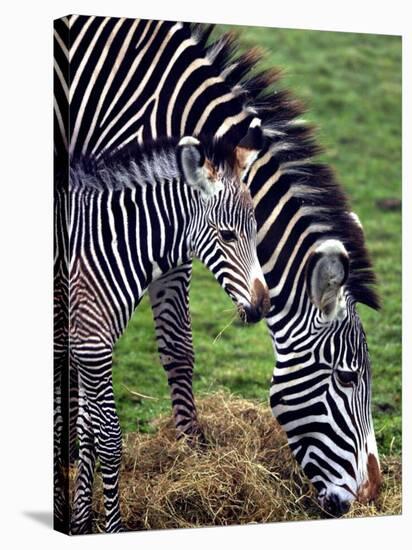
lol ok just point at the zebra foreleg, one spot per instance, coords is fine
(95, 379)
(169, 297)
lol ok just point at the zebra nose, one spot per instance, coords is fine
(253, 314)
(336, 506)
(259, 305)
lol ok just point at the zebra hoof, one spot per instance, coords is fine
(196, 439)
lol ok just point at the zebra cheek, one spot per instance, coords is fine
(276, 400)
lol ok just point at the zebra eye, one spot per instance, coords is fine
(228, 236)
(347, 377)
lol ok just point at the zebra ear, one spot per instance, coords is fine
(248, 148)
(326, 272)
(356, 219)
(197, 170)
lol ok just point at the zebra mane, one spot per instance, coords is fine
(144, 164)
(126, 167)
(315, 184)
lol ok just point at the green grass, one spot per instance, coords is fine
(352, 85)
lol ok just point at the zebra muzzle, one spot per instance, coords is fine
(259, 304)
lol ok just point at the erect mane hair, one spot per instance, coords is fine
(315, 183)
(146, 163)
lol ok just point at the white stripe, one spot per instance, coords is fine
(61, 44)
(221, 99)
(132, 71)
(62, 79)
(75, 82)
(61, 123)
(79, 38)
(120, 263)
(229, 122)
(192, 67)
(131, 100)
(93, 79)
(185, 115)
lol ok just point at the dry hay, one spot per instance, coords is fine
(245, 475)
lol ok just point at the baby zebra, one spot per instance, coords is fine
(134, 217)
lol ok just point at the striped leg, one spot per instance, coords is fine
(169, 297)
(73, 413)
(99, 425)
(82, 505)
(61, 447)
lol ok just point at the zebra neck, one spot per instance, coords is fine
(294, 320)
(136, 233)
(302, 336)
(289, 325)
(164, 212)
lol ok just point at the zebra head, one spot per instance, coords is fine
(223, 233)
(321, 388)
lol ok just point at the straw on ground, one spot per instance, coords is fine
(245, 475)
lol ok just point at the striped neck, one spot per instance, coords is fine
(148, 221)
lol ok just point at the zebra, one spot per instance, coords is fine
(305, 226)
(133, 217)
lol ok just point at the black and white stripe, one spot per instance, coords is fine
(137, 79)
(194, 88)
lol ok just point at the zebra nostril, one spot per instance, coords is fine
(255, 311)
(253, 314)
(335, 506)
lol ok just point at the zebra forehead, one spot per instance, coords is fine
(246, 197)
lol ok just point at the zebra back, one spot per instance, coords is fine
(129, 79)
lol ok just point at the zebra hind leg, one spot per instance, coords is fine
(61, 446)
(82, 514)
(61, 443)
(103, 441)
(169, 297)
(73, 414)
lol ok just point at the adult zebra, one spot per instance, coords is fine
(152, 78)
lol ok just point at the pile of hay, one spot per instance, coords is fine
(245, 475)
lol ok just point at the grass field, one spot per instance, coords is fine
(352, 86)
